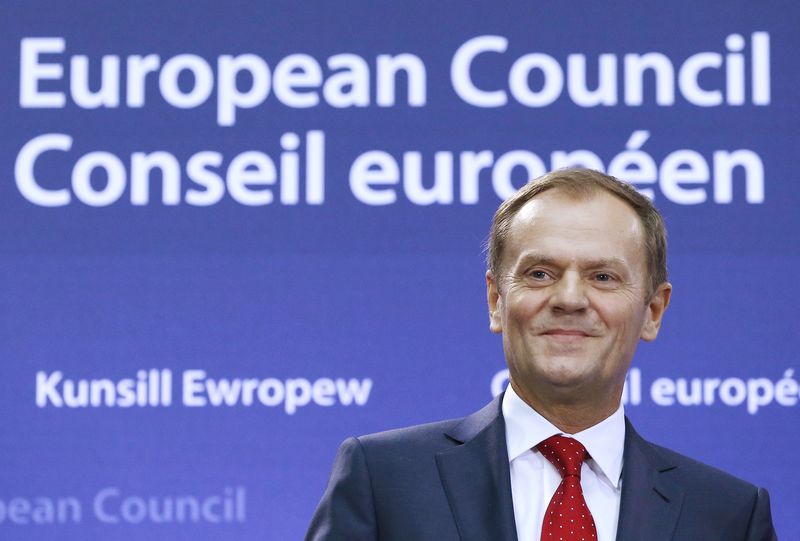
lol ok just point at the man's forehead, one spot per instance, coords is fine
(559, 212)
(566, 198)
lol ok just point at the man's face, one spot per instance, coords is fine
(571, 301)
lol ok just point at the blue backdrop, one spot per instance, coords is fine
(235, 233)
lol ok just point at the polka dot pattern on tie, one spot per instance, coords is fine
(567, 517)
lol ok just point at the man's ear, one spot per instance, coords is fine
(495, 303)
(655, 311)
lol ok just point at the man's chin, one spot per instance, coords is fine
(562, 374)
(566, 384)
(568, 375)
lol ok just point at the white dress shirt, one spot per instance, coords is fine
(534, 479)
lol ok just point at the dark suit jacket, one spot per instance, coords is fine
(450, 480)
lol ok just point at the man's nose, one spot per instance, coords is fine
(569, 293)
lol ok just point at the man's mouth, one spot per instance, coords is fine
(566, 332)
(567, 335)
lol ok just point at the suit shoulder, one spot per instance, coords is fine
(690, 471)
(711, 497)
(702, 473)
(423, 435)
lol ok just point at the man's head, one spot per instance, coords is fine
(571, 287)
(582, 183)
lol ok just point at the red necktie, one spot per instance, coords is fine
(567, 517)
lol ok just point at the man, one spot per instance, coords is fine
(577, 276)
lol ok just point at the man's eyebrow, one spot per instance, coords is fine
(530, 258)
(605, 262)
(538, 258)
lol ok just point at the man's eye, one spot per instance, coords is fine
(603, 277)
(539, 275)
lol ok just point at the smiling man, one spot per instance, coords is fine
(577, 276)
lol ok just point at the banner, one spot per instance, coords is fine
(236, 233)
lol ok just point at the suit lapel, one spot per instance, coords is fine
(650, 503)
(476, 479)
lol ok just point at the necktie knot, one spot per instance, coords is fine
(566, 454)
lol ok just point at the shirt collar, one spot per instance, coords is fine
(526, 428)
